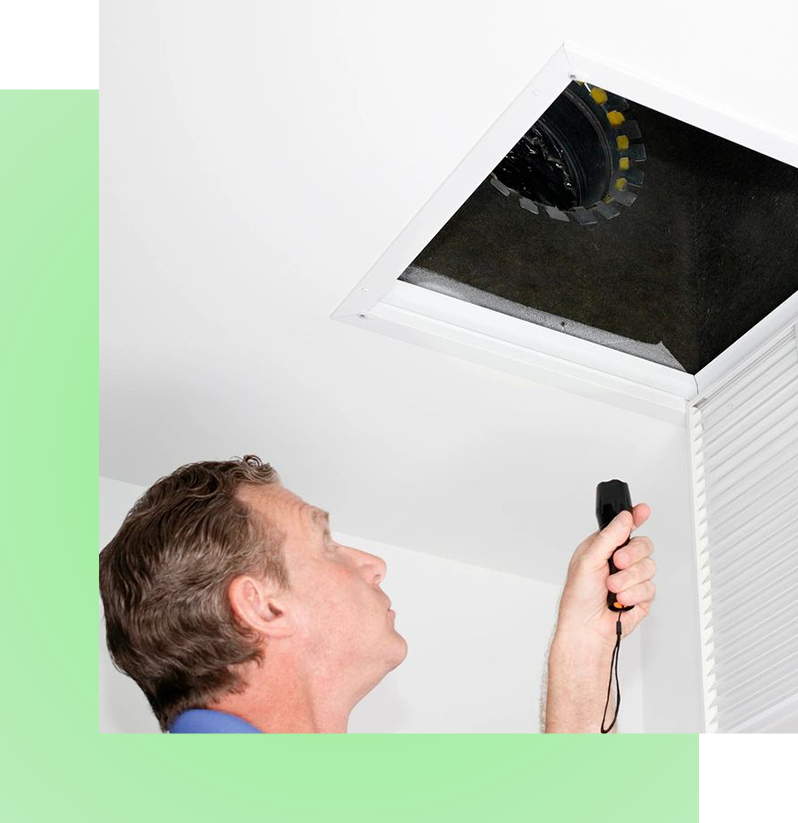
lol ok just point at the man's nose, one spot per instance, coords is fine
(374, 567)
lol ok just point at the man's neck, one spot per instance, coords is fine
(281, 700)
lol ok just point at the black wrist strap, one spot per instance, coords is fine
(613, 671)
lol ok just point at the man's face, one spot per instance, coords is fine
(340, 615)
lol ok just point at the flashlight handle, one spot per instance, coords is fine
(613, 497)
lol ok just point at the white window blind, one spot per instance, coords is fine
(744, 443)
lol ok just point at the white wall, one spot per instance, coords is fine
(477, 643)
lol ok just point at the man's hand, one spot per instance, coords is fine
(583, 606)
(582, 647)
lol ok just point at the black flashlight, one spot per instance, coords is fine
(612, 497)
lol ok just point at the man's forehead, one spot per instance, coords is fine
(278, 497)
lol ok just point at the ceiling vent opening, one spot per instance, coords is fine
(564, 232)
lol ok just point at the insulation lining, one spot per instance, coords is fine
(657, 353)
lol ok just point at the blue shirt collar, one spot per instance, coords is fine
(209, 721)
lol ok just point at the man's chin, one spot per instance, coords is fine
(401, 649)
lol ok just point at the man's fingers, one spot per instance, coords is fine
(638, 548)
(641, 511)
(638, 572)
(614, 534)
(617, 531)
(640, 593)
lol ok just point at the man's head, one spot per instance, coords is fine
(218, 567)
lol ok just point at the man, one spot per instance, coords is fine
(229, 603)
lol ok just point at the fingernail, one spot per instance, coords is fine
(620, 556)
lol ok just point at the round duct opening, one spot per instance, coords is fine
(576, 161)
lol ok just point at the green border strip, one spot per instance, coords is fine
(49, 182)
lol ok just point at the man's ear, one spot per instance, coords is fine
(256, 605)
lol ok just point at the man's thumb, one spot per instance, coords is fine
(614, 534)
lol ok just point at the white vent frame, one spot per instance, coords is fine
(381, 303)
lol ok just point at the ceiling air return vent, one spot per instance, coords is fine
(605, 236)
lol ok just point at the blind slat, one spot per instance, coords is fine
(746, 493)
(765, 711)
(751, 598)
(761, 576)
(719, 412)
(738, 567)
(777, 397)
(758, 469)
(747, 713)
(727, 632)
(774, 528)
(768, 436)
(742, 649)
(777, 656)
(767, 360)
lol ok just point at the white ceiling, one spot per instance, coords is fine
(255, 161)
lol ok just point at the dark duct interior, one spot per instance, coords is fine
(708, 249)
